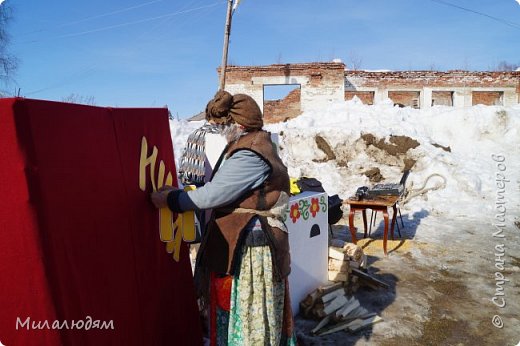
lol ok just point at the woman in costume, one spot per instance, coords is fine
(243, 261)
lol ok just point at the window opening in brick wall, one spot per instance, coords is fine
(281, 102)
(442, 98)
(405, 98)
(367, 97)
(488, 98)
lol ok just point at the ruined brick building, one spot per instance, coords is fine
(320, 83)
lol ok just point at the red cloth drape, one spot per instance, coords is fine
(78, 237)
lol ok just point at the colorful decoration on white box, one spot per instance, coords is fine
(306, 208)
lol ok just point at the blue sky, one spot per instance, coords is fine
(151, 53)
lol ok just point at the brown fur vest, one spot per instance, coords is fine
(221, 244)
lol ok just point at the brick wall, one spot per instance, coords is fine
(322, 83)
(488, 98)
(367, 97)
(442, 98)
(284, 109)
(318, 72)
(454, 88)
(420, 79)
(405, 98)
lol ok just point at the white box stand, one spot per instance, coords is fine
(307, 222)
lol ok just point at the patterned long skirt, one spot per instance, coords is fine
(251, 308)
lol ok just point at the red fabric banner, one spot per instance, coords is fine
(79, 238)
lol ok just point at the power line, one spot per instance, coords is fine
(86, 71)
(168, 15)
(122, 10)
(500, 20)
(110, 13)
(139, 21)
(63, 82)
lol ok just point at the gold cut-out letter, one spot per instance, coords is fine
(172, 233)
(144, 162)
(166, 215)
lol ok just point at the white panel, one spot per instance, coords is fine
(309, 254)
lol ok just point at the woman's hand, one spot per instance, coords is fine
(160, 197)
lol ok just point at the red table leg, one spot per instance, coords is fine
(385, 236)
(351, 225)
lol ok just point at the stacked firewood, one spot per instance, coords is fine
(335, 306)
(343, 259)
(331, 305)
(348, 264)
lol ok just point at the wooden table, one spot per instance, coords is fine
(380, 203)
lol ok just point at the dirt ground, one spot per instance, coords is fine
(442, 278)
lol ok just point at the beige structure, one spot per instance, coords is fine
(422, 89)
(321, 83)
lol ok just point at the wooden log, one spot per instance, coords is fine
(369, 277)
(337, 276)
(370, 284)
(348, 308)
(306, 310)
(321, 324)
(310, 299)
(327, 289)
(353, 251)
(332, 295)
(317, 311)
(338, 265)
(306, 302)
(335, 304)
(358, 312)
(367, 315)
(353, 264)
(354, 288)
(337, 253)
(363, 323)
(364, 261)
(335, 328)
(353, 325)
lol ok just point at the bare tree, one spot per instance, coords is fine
(504, 66)
(354, 60)
(8, 62)
(466, 66)
(79, 99)
(279, 58)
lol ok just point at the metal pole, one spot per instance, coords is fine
(227, 31)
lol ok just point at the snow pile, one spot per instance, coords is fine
(457, 143)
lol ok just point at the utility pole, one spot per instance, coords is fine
(227, 32)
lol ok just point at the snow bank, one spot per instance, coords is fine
(457, 143)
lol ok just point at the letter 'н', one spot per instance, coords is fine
(170, 232)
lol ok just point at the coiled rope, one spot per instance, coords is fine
(412, 193)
